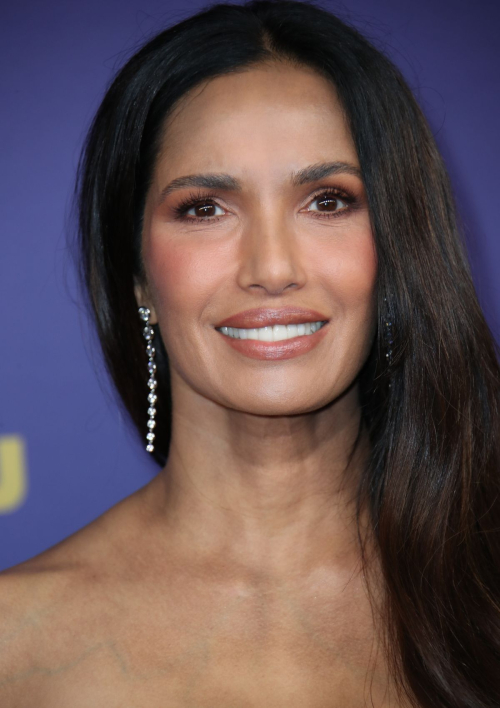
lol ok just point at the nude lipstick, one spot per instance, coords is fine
(274, 333)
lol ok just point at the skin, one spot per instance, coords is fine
(235, 574)
(268, 481)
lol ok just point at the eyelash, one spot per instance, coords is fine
(183, 207)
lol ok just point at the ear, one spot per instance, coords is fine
(143, 299)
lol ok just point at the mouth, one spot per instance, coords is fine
(273, 333)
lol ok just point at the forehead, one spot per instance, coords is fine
(264, 116)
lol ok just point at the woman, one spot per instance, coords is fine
(269, 245)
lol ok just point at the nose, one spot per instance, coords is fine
(270, 259)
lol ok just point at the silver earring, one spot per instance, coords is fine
(148, 333)
(388, 338)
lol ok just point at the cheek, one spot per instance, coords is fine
(182, 274)
(350, 267)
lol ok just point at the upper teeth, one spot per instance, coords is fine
(275, 333)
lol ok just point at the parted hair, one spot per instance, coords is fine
(432, 481)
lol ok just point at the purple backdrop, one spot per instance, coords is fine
(66, 453)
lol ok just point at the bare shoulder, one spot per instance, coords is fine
(50, 607)
(32, 599)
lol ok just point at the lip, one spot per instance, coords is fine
(266, 317)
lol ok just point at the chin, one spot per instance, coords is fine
(280, 406)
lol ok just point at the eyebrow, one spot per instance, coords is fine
(222, 181)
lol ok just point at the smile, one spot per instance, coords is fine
(276, 333)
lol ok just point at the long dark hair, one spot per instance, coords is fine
(433, 480)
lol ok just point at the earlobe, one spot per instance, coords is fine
(143, 299)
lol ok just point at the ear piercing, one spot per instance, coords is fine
(148, 333)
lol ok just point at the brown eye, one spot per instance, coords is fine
(329, 202)
(203, 209)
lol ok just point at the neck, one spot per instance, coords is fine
(270, 494)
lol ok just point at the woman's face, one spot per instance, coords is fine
(263, 232)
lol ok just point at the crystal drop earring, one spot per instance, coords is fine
(148, 333)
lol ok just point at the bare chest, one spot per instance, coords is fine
(249, 649)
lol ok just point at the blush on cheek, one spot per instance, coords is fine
(169, 272)
(182, 276)
(349, 269)
(363, 263)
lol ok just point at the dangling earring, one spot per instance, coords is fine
(148, 333)
(388, 338)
